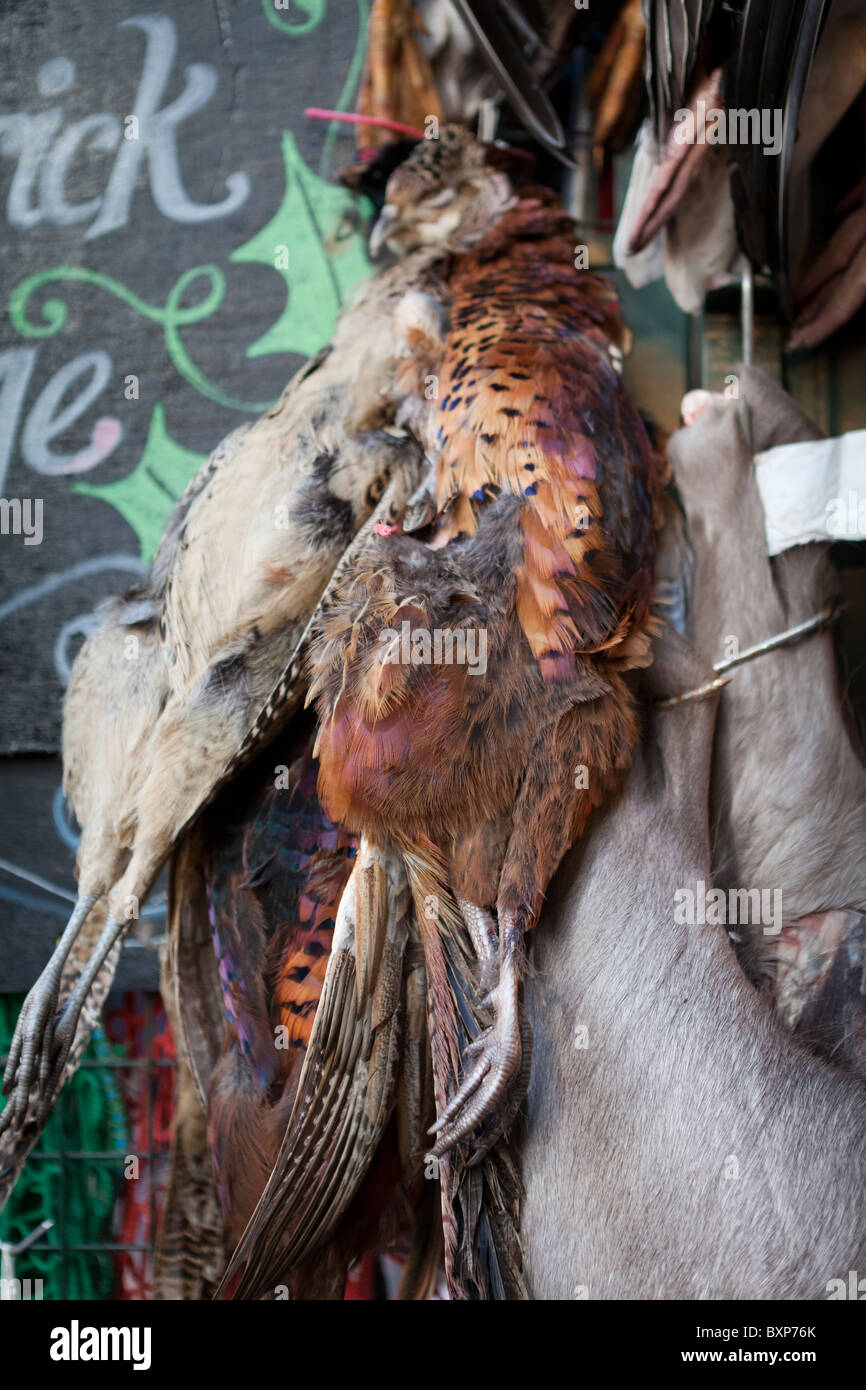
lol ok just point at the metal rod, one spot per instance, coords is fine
(151, 1081)
(488, 120)
(88, 1155)
(64, 1248)
(103, 1249)
(781, 639)
(97, 1063)
(828, 614)
(747, 314)
(37, 881)
(8, 1252)
(696, 356)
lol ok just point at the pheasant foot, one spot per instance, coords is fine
(494, 1064)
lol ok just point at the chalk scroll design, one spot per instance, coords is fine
(153, 486)
(309, 241)
(313, 244)
(313, 9)
(172, 317)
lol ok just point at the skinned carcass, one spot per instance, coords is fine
(788, 798)
(678, 1145)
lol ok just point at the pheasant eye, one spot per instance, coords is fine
(375, 490)
(442, 199)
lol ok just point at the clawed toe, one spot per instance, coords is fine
(44, 1033)
(495, 1062)
(501, 1122)
(475, 1102)
(445, 1124)
(32, 1059)
(32, 1045)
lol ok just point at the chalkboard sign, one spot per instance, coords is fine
(173, 247)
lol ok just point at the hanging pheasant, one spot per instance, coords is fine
(275, 870)
(471, 775)
(542, 545)
(174, 689)
(350, 1176)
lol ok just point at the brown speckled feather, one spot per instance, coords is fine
(190, 1255)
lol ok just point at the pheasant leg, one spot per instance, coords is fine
(32, 1042)
(59, 1040)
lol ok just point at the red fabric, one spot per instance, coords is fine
(141, 1200)
(360, 1285)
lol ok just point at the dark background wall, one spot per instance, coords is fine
(172, 248)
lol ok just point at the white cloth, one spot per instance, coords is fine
(814, 491)
(649, 264)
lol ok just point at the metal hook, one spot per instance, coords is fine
(747, 314)
(488, 120)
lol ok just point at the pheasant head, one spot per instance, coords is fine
(448, 194)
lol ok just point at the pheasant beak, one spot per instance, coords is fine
(385, 227)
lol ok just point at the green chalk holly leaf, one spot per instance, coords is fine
(146, 496)
(312, 241)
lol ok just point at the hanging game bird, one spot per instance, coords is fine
(543, 540)
(470, 784)
(152, 729)
(276, 868)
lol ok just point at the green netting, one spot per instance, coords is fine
(77, 1194)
